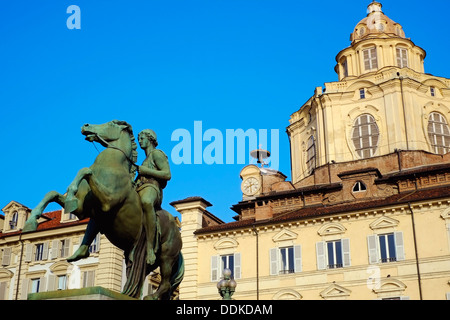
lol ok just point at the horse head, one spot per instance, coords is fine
(116, 134)
(107, 132)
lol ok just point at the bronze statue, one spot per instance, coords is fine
(153, 176)
(106, 193)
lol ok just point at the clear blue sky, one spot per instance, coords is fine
(231, 64)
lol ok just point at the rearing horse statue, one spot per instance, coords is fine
(104, 192)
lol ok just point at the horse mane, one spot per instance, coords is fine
(134, 152)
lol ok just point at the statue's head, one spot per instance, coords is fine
(150, 135)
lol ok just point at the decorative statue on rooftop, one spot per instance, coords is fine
(128, 212)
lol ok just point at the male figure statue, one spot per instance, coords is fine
(153, 175)
(152, 178)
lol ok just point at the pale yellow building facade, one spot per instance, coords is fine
(367, 213)
(36, 261)
(365, 216)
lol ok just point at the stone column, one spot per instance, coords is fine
(191, 210)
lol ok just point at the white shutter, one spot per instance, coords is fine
(298, 258)
(372, 244)
(274, 261)
(66, 248)
(29, 252)
(43, 284)
(98, 238)
(3, 290)
(399, 247)
(448, 235)
(237, 266)
(346, 252)
(215, 268)
(51, 283)
(55, 249)
(45, 251)
(24, 291)
(321, 255)
(6, 259)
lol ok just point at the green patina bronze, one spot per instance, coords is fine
(128, 212)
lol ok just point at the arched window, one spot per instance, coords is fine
(439, 133)
(13, 222)
(311, 154)
(365, 136)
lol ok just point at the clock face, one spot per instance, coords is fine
(250, 186)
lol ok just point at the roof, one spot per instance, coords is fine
(322, 210)
(53, 222)
(191, 199)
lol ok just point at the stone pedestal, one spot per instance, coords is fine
(92, 293)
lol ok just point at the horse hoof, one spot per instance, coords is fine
(81, 253)
(70, 205)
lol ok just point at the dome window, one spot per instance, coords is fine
(362, 93)
(433, 91)
(311, 155)
(439, 133)
(362, 31)
(370, 58)
(402, 57)
(365, 136)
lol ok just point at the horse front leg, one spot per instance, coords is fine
(71, 203)
(53, 196)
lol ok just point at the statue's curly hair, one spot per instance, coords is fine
(151, 135)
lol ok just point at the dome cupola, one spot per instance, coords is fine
(377, 42)
(376, 25)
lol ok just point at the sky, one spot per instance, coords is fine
(197, 67)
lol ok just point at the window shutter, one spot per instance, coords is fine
(3, 290)
(66, 247)
(88, 279)
(448, 234)
(237, 266)
(6, 259)
(43, 284)
(45, 251)
(55, 249)
(215, 268)
(51, 285)
(98, 241)
(399, 247)
(321, 255)
(298, 258)
(366, 60)
(273, 255)
(24, 291)
(28, 252)
(372, 245)
(346, 252)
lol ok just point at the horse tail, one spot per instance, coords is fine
(177, 274)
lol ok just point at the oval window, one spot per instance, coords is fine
(365, 136)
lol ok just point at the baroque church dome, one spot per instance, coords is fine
(376, 25)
